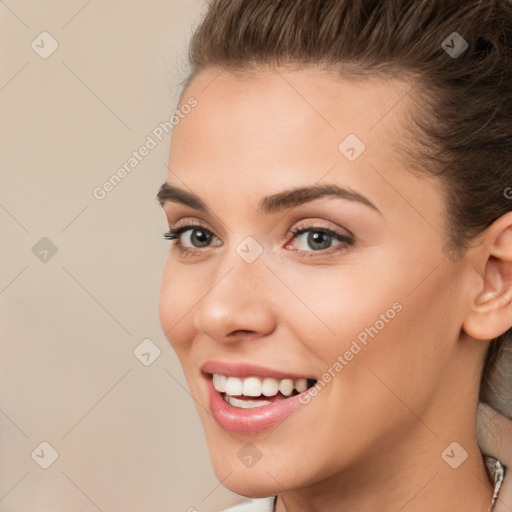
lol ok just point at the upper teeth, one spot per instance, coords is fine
(254, 386)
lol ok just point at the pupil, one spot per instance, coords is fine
(202, 234)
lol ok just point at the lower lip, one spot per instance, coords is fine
(253, 420)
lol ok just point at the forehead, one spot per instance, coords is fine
(299, 101)
(279, 127)
(272, 111)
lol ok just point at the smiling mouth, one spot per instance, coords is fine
(250, 392)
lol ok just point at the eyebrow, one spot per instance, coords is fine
(274, 203)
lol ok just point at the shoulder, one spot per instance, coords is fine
(253, 505)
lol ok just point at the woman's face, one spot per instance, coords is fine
(364, 299)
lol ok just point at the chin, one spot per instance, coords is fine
(250, 489)
(255, 482)
(260, 481)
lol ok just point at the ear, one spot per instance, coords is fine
(490, 310)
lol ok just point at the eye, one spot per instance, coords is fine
(195, 234)
(319, 239)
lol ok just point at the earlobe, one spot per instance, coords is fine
(490, 312)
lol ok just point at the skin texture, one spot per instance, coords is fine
(372, 438)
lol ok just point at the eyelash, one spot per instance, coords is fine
(174, 234)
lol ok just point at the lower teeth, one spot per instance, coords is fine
(251, 402)
(244, 404)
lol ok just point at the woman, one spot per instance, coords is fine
(338, 286)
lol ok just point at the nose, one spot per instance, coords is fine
(238, 304)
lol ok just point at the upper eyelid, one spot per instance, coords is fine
(189, 224)
(297, 226)
(298, 218)
(297, 230)
(310, 225)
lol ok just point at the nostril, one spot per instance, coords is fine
(240, 332)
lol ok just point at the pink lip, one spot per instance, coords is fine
(247, 370)
(248, 421)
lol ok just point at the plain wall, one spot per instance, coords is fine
(128, 436)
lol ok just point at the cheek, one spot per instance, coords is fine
(376, 319)
(176, 300)
(340, 306)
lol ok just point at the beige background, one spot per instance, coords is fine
(127, 435)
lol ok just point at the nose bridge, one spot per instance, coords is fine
(239, 298)
(242, 269)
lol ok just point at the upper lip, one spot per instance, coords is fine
(242, 370)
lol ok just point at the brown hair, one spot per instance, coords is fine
(461, 130)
